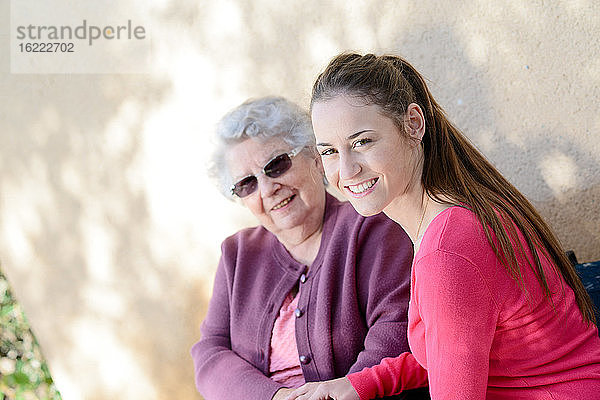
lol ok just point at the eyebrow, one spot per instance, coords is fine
(350, 137)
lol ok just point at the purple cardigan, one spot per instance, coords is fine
(353, 304)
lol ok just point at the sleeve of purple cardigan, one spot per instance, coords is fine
(220, 372)
(383, 265)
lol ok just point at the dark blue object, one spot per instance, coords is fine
(590, 276)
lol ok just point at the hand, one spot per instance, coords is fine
(337, 389)
(282, 394)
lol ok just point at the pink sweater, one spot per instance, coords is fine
(481, 336)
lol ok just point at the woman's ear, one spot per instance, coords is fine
(414, 122)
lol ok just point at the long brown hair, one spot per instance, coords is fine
(452, 167)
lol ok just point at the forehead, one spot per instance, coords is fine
(343, 116)
(249, 156)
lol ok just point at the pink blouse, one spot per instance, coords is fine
(284, 364)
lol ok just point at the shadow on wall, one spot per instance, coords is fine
(566, 218)
(76, 221)
(77, 217)
(561, 182)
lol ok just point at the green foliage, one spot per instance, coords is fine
(24, 374)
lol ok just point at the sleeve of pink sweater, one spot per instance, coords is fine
(391, 376)
(459, 317)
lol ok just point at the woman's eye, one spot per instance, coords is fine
(328, 152)
(360, 142)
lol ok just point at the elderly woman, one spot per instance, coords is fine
(310, 294)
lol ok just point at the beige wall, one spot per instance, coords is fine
(109, 230)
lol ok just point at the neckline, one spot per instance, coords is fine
(417, 243)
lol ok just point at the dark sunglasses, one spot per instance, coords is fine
(276, 167)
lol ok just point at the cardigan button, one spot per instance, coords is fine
(302, 278)
(298, 312)
(304, 359)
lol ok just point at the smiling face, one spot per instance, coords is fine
(365, 155)
(291, 204)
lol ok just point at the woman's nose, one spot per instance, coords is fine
(267, 186)
(349, 167)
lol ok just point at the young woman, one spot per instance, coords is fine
(497, 311)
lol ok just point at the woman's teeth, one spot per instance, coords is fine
(283, 203)
(362, 187)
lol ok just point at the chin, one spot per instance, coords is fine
(288, 222)
(365, 209)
